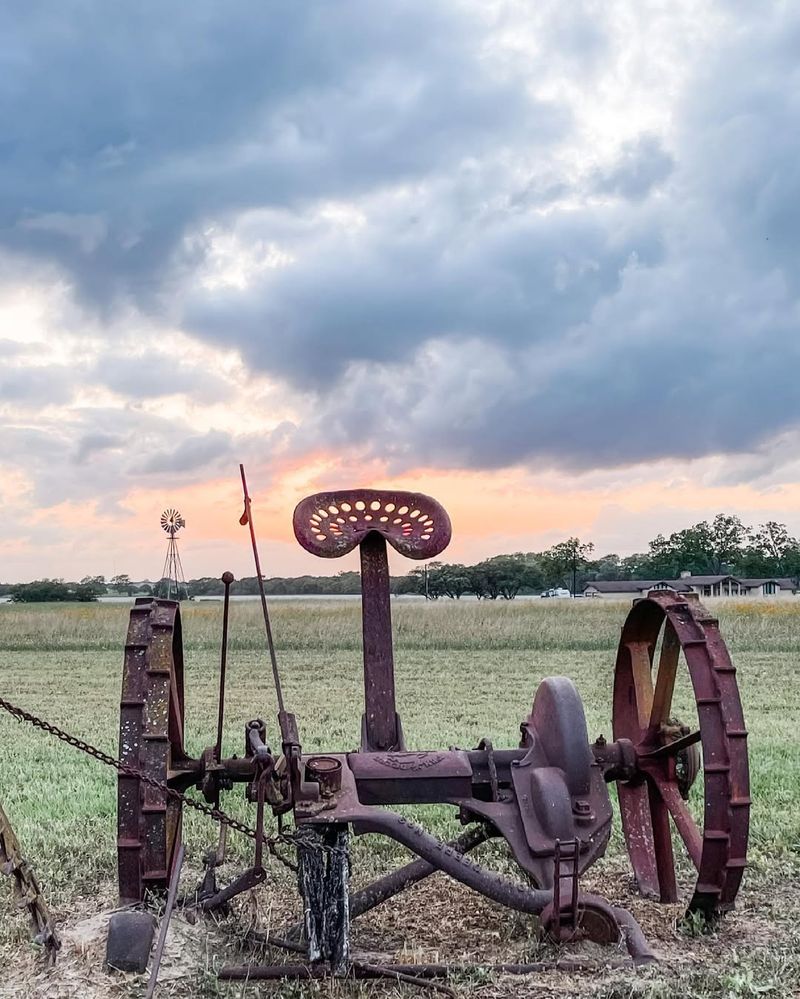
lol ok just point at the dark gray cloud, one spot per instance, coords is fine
(379, 294)
(741, 146)
(123, 128)
(463, 279)
(662, 323)
(701, 375)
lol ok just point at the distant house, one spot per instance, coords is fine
(704, 586)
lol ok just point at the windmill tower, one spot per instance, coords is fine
(171, 522)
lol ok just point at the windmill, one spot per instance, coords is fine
(171, 522)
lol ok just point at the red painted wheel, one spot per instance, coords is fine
(151, 740)
(643, 712)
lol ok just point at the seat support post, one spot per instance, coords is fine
(381, 728)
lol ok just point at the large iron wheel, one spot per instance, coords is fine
(150, 740)
(667, 757)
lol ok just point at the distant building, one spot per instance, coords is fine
(703, 586)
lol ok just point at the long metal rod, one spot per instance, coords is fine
(247, 518)
(398, 881)
(256, 972)
(162, 930)
(358, 969)
(227, 579)
(387, 971)
(166, 571)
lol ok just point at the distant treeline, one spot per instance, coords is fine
(341, 583)
(52, 591)
(93, 587)
(723, 545)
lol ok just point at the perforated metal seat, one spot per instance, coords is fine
(332, 524)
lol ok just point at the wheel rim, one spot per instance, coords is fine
(651, 802)
(151, 740)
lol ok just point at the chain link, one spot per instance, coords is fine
(84, 747)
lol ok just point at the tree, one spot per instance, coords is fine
(346, 581)
(563, 561)
(772, 552)
(717, 547)
(503, 576)
(478, 582)
(412, 582)
(205, 586)
(511, 574)
(122, 584)
(486, 577)
(434, 580)
(90, 588)
(607, 567)
(729, 536)
(55, 590)
(431, 580)
(664, 560)
(451, 580)
(773, 541)
(41, 591)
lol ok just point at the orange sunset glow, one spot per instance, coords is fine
(491, 513)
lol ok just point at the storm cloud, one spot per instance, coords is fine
(125, 128)
(404, 216)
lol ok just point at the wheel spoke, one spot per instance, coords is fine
(641, 671)
(662, 842)
(634, 808)
(686, 826)
(175, 715)
(665, 677)
(673, 748)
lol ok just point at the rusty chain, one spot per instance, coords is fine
(84, 747)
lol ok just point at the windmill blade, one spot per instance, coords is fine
(172, 521)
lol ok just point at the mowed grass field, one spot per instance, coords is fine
(464, 671)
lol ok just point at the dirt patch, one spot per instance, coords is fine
(80, 971)
(436, 921)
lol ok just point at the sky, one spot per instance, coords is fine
(539, 260)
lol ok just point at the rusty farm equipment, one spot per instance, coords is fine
(548, 798)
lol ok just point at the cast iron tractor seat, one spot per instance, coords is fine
(331, 525)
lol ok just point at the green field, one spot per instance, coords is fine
(464, 671)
